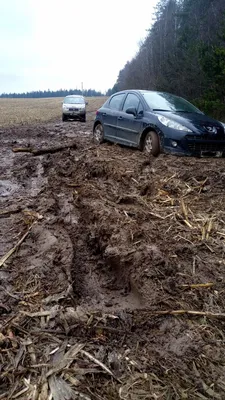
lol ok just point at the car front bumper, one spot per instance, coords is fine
(195, 145)
(74, 112)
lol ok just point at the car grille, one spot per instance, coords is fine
(205, 143)
(206, 137)
(206, 147)
(73, 109)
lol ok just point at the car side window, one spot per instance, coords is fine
(131, 101)
(116, 101)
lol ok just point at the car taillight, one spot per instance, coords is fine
(96, 112)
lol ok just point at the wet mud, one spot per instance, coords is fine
(116, 239)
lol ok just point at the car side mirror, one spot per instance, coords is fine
(86, 103)
(132, 111)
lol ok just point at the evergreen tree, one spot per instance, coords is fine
(183, 53)
(49, 93)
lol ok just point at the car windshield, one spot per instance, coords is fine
(168, 102)
(73, 100)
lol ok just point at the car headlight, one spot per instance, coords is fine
(223, 125)
(172, 124)
(64, 106)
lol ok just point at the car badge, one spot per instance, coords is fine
(211, 129)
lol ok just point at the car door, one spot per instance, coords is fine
(129, 126)
(110, 115)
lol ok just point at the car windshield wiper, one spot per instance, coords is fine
(160, 109)
(183, 111)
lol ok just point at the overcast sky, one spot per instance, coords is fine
(53, 44)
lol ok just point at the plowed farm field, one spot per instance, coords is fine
(112, 265)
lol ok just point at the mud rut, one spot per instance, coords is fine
(111, 247)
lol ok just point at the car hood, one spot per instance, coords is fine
(191, 120)
(74, 105)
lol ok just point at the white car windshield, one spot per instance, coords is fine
(73, 100)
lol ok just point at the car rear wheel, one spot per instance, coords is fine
(151, 144)
(64, 118)
(98, 134)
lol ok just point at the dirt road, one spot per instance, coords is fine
(115, 243)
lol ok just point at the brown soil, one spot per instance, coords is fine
(115, 239)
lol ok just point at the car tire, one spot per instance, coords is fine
(98, 133)
(151, 144)
(64, 118)
(83, 119)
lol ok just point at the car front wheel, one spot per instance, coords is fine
(98, 134)
(151, 144)
(64, 118)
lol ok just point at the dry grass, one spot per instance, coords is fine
(29, 111)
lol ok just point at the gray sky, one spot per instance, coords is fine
(53, 44)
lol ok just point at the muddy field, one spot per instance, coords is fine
(117, 288)
(27, 111)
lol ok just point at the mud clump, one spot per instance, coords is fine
(121, 271)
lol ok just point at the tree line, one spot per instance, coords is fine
(51, 93)
(183, 53)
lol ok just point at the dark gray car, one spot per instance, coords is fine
(158, 122)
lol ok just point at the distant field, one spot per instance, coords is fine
(29, 111)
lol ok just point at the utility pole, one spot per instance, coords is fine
(82, 88)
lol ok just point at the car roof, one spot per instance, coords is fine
(141, 91)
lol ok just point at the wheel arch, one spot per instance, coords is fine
(100, 139)
(147, 129)
(96, 123)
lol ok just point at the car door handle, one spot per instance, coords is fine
(120, 117)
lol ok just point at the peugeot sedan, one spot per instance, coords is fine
(158, 122)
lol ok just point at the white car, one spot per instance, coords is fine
(74, 107)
